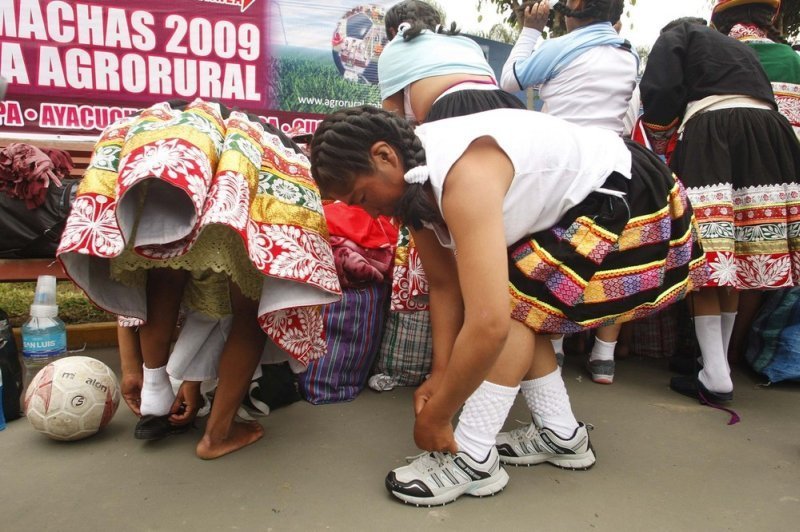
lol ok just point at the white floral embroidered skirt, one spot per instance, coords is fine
(212, 192)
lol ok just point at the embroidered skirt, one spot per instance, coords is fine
(217, 194)
(611, 258)
(741, 169)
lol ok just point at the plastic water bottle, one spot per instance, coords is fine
(44, 335)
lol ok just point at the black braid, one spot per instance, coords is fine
(340, 151)
(599, 10)
(420, 15)
(760, 15)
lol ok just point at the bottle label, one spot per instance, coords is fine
(44, 345)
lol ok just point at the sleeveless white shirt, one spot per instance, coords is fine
(556, 164)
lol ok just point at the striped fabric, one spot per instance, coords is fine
(610, 259)
(406, 350)
(353, 327)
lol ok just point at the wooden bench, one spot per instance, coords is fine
(25, 270)
(22, 270)
(28, 270)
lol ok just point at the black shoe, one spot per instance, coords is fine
(691, 386)
(684, 365)
(157, 427)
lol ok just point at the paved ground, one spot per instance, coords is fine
(664, 463)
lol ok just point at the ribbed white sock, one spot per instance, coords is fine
(715, 374)
(602, 350)
(157, 394)
(482, 418)
(727, 319)
(549, 404)
(558, 343)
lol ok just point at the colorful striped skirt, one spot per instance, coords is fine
(611, 258)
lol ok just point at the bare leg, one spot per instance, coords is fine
(513, 364)
(544, 359)
(749, 304)
(609, 333)
(624, 341)
(130, 358)
(164, 293)
(240, 357)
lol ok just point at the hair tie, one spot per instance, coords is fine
(402, 27)
(417, 175)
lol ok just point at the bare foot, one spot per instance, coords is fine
(240, 435)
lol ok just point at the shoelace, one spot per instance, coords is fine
(531, 432)
(428, 461)
(527, 431)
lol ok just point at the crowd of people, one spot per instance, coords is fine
(530, 224)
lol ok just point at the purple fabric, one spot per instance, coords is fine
(353, 328)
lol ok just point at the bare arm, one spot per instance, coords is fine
(473, 209)
(446, 305)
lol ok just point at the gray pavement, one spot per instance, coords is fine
(664, 463)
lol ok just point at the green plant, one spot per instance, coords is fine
(73, 306)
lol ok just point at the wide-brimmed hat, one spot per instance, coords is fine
(722, 5)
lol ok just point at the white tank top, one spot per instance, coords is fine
(556, 164)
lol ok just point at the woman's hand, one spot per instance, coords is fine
(535, 15)
(425, 391)
(187, 403)
(131, 389)
(434, 432)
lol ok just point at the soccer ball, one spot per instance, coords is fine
(357, 42)
(72, 398)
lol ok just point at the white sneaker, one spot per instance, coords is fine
(530, 445)
(432, 479)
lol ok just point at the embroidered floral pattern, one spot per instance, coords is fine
(747, 234)
(293, 249)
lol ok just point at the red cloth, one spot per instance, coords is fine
(26, 172)
(355, 224)
(357, 266)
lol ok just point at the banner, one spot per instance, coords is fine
(74, 67)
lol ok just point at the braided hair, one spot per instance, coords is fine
(340, 151)
(601, 10)
(420, 15)
(761, 15)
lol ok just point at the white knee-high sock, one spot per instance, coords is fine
(482, 418)
(602, 350)
(157, 394)
(727, 319)
(549, 404)
(715, 374)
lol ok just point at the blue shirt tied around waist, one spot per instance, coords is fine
(429, 54)
(553, 55)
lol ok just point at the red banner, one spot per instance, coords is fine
(76, 66)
